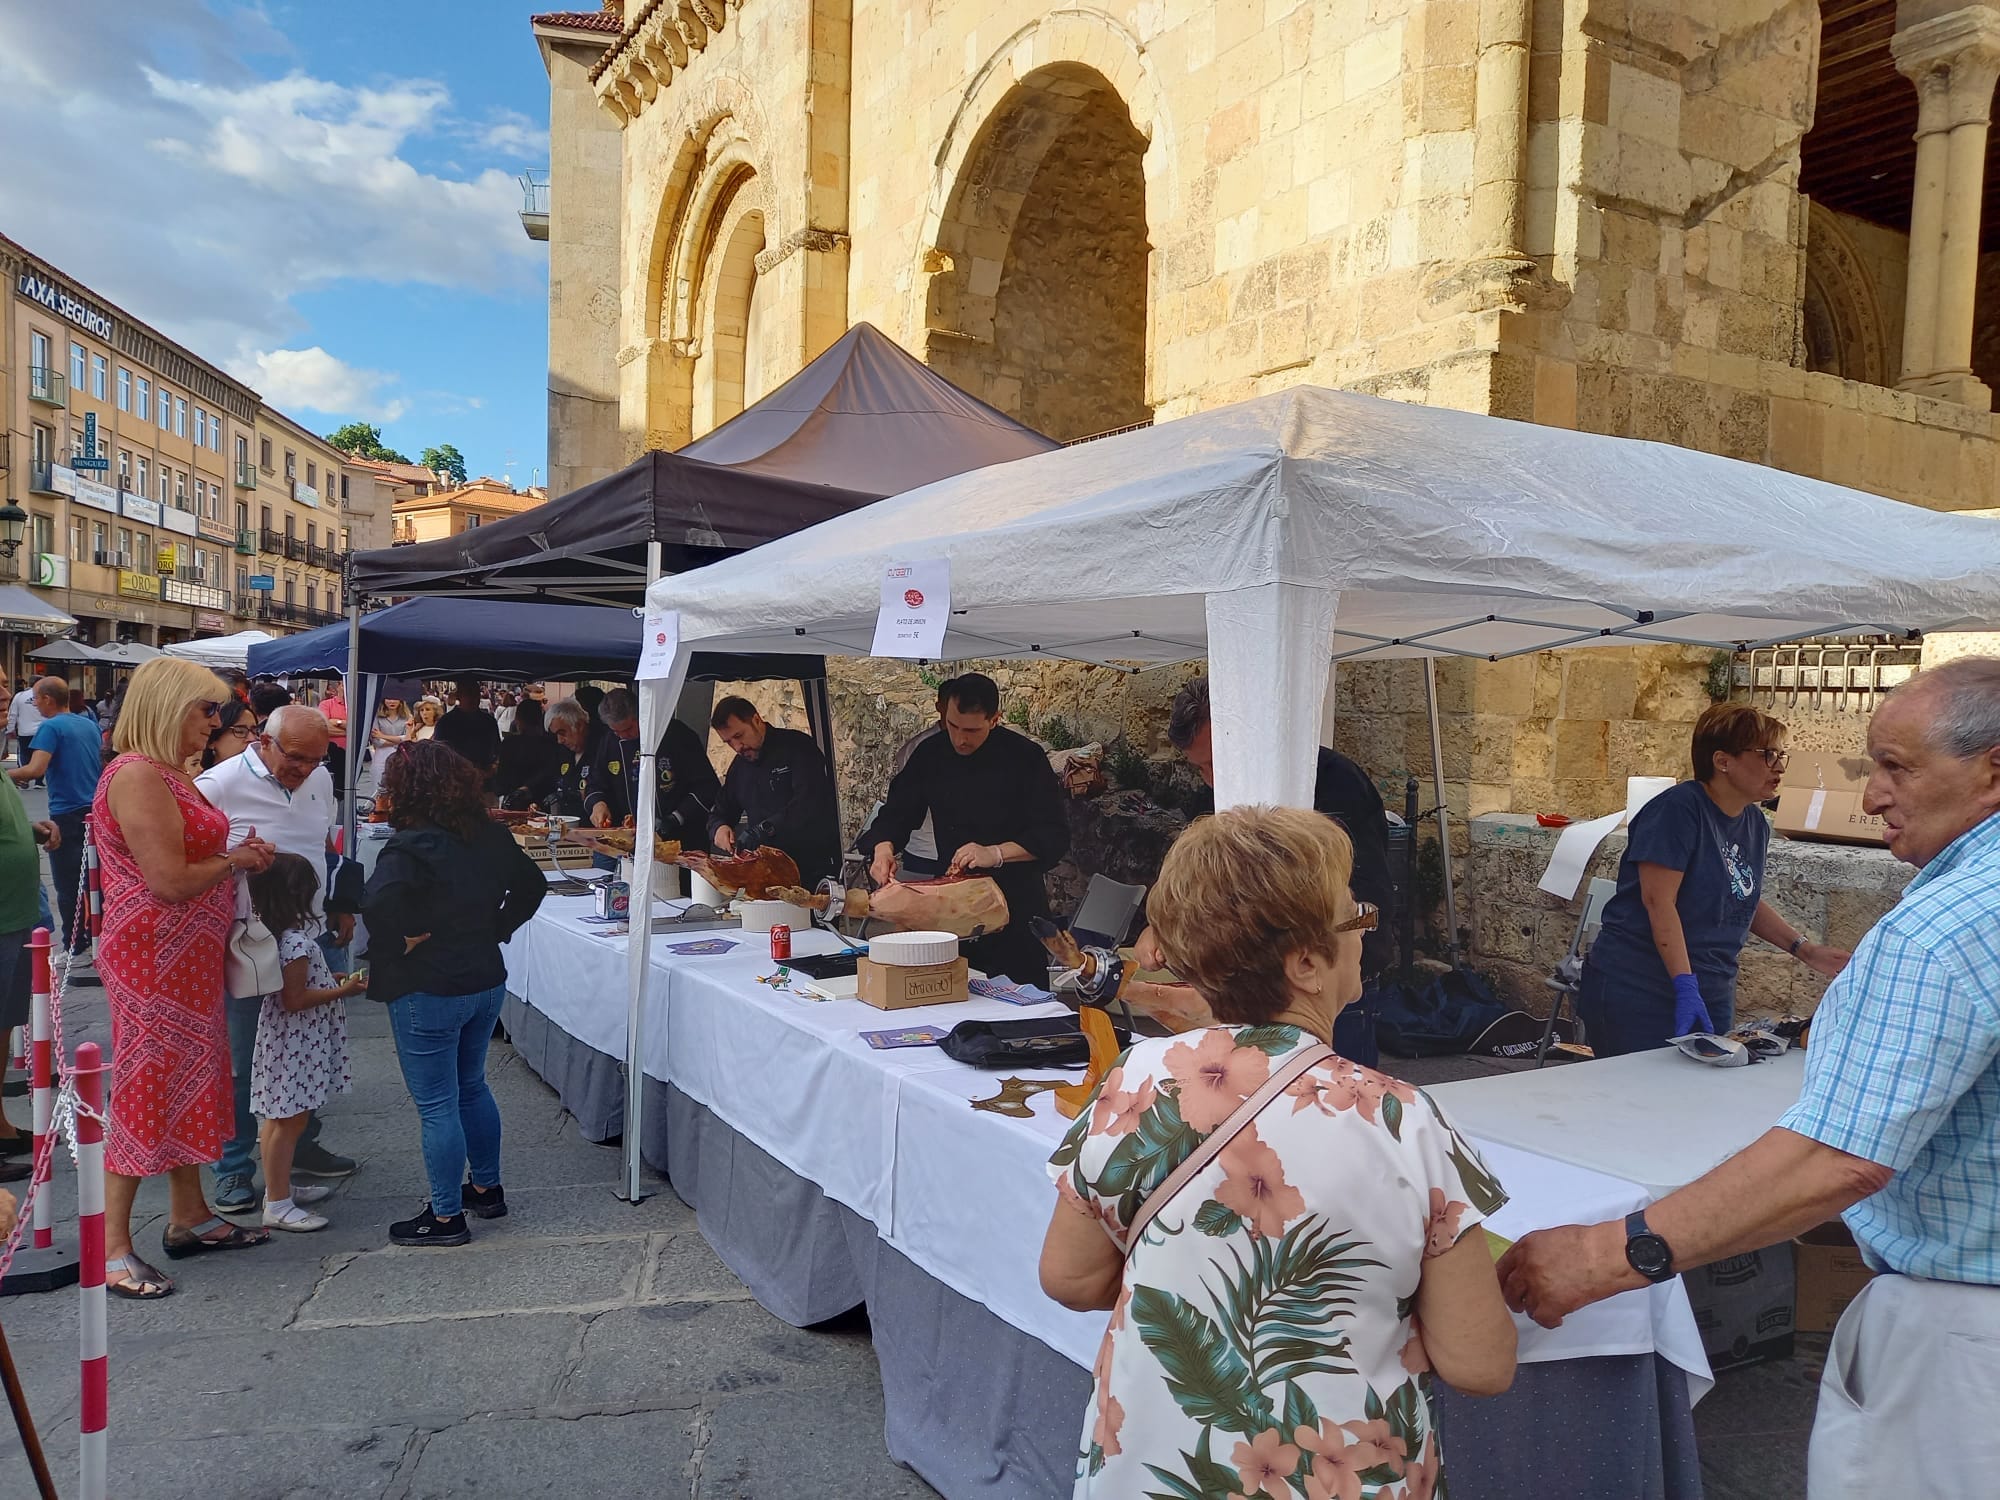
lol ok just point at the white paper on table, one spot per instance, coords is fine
(660, 639)
(916, 607)
(1639, 790)
(1575, 848)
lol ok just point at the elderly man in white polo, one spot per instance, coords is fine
(1897, 1130)
(279, 787)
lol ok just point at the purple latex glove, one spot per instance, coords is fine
(1690, 1010)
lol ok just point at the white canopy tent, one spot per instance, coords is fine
(1309, 527)
(221, 650)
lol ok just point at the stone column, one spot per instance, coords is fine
(1954, 59)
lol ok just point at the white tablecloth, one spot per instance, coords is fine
(960, 1192)
(1655, 1118)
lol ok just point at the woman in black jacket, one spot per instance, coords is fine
(450, 888)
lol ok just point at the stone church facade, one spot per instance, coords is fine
(1752, 227)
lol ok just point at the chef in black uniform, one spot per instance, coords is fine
(569, 722)
(1342, 791)
(687, 784)
(998, 810)
(777, 790)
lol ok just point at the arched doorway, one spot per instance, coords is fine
(729, 367)
(1039, 301)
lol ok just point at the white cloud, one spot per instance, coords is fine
(145, 157)
(510, 133)
(313, 380)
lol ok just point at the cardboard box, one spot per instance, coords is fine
(1820, 800)
(1743, 1307)
(1831, 1274)
(894, 987)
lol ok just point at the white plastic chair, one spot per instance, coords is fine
(1568, 977)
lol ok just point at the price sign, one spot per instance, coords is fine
(915, 609)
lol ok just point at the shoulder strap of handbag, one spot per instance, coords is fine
(1221, 1136)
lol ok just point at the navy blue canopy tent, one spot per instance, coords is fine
(449, 636)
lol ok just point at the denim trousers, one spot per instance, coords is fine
(66, 866)
(441, 1041)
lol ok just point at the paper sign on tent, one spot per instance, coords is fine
(657, 645)
(916, 608)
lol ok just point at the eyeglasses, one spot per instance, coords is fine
(210, 708)
(1777, 760)
(242, 731)
(1367, 917)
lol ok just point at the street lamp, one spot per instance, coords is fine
(13, 522)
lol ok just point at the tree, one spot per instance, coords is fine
(445, 460)
(364, 440)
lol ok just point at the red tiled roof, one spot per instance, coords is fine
(581, 20)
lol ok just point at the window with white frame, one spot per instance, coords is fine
(124, 389)
(139, 485)
(143, 405)
(143, 558)
(166, 409)
(166, 485)
(76, 352)
(97, 376)
(180, 416)
(124, 468)
(180, 489)
(200, 427)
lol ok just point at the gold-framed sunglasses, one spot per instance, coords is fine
(1367, 917)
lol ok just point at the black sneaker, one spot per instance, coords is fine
(487, 1203)
(428, 1229)
(311, 1159)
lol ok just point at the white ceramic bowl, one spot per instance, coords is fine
(911, 950)
(762, 916)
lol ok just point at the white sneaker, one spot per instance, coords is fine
(310, 1192)
(294, 1220)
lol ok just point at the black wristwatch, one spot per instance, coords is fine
(1645, 1251)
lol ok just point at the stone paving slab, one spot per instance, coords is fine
(401, 1285)
(643, 1453)
(685, 1351)
(769, 1443)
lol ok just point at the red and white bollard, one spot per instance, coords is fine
(94, 1342)
(41, 1266)
(42, 1065)
(93, 885)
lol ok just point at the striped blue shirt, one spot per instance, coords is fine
(1901, 1069)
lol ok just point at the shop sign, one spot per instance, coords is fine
(262, 583)
(96, 496)
(174, 591)
(136, 585)
(139, 508)
(167, 558)
(37, 288)
(62, 479)
(204, 620)
(305, 494)
(175, 519)
(51, 570)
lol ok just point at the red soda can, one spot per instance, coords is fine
(781, 943)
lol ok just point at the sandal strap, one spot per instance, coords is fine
(139, 1271)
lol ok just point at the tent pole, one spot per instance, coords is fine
(639, 927)
(1444, 816)
(350, 818)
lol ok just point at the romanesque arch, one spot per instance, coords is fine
(1032, 284)
(1842, 326)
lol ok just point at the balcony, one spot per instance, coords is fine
(42, 479)
(246, 543)
(318, 556)
(271, 541)
(244, 607)
(246, 475)
(535, 203)
(295, 549)
(47, 387)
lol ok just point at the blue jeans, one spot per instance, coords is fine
(441, 1041)
(66, 866)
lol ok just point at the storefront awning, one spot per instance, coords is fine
(21, 613)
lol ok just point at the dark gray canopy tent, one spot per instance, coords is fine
(864, 420)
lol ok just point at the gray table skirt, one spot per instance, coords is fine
(980, 1409)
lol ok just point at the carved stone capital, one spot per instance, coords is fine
(815, 240)
(1954, 59)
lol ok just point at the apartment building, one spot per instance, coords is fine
(136, 463)
(448, 512)
(290, 529)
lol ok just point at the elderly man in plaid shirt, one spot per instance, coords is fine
(1897, 1130)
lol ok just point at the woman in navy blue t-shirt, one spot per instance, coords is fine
(1689, 892)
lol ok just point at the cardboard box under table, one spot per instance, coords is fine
(1831, 1274)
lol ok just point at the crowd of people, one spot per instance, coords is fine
(224, 957)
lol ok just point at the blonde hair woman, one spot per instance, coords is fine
(392, 724)
(429, 711)
(1322, 1261)
(169, 894)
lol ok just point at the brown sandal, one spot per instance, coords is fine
(136, 1276)
(202, 1238)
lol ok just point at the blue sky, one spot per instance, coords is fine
(317, 195)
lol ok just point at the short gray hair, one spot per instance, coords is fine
(618, 706)
(1967, 692)
(295, 715)
(569, 712)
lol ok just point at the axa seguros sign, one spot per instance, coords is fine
(37, 288)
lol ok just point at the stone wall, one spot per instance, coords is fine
(1519, 933)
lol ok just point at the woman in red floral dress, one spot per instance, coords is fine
(169, 896)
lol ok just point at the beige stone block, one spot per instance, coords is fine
(1644, 105)
(1231, 132)
(1582, 748)
(1372, 59)
(1328, 203)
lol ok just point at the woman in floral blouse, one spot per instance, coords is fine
(1277, 1328)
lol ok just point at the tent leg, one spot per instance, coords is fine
(819, 718)
(638, 952)
(1444, 815)
(357, 743)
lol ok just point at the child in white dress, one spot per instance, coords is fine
(301, 1054)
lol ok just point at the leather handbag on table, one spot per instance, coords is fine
(1057, 1042)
